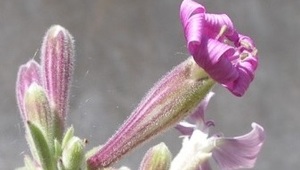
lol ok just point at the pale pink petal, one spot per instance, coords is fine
(196, 119)
(198, 114)
(185, 128)
(239, 152)
(205, 166)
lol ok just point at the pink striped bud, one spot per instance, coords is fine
(57, 58)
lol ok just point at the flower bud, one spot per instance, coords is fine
(57, 58)
(157, 158)
(38, 111)
(173, 98)
(28, 73)
(73, 154)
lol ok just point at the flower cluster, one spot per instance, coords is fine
(42, 96)
(219, 54)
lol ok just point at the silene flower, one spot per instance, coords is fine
(229, 57)
(229, 153)
(218, 54)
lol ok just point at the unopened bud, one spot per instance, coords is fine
(73, 154)
(28, 73)
(57, 58)
(157, 158)
(38, 111)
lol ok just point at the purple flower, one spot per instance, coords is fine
(228, 57)
(229, 153)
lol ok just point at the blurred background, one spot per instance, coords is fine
(124, 47)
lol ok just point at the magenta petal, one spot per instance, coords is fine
(246, 69)
(188, 8)
(214, 60)
(216, 47)
(209, 54)
(239, 152)
(28, 73)
(214, 22)
(193, 30)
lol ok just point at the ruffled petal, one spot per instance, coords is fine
(185, 128)
(188, 8)
(214, 23)
(194, 33)
(246, 69)
(212, 57)
(216, 49)
(239, 152)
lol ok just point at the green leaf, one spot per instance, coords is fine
(42, 147)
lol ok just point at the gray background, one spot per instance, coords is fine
(123, 47)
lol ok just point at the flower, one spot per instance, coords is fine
(228, 57)
(229, 153)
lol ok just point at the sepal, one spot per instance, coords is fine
(68, 136)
